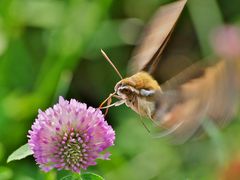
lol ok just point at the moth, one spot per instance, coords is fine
(180, 105)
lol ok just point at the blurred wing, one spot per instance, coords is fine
(155, 37)
(213, 95)
(194, 71)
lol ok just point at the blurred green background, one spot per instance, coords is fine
(52, 47)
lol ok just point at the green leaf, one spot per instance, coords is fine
(72, 177)
(20, 153)
(91, 176)
(83, 176)
(203, 22)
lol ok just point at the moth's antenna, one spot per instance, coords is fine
(114, 67)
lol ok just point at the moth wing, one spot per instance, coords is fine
(179, 118)
(213, 95)
(194, 71)
(155, 37)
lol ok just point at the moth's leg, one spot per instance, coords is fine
(144, 125)
(108, 103)
(116, 96)
(107, 99)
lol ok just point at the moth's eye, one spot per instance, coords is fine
(119, 84)
(126, 91)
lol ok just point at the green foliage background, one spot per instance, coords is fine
(52, 47)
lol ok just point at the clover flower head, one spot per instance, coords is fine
(70, 136)
(226, 41)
